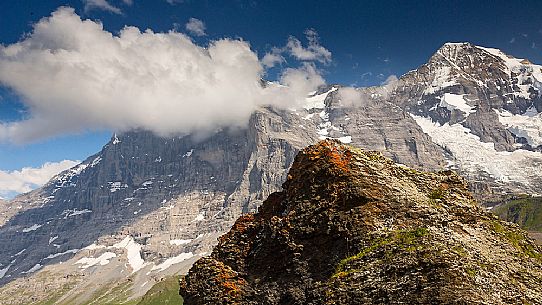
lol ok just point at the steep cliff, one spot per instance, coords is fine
(352, 227)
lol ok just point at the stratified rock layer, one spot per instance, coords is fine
(353, 227)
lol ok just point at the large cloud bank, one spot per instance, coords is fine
(75, 76)
(29, 178)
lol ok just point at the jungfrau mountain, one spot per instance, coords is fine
(145, 207)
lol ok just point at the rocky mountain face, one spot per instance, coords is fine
(352, 227)
(483, 107)
(146, 207)
(145, 204)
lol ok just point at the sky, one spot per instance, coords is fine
(74, 72)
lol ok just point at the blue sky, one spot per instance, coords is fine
(368, 40)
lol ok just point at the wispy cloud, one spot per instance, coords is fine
(350, 96)
(173, 2)
(195, 27)
(29, 178)
(128, 2)
(75, 76)
(273, 58)
(102, 5)
(314, 51)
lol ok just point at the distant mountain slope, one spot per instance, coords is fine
(352, 227)
(526, 212)
(163, 292)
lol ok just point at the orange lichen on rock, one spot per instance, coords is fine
(337, 154)
(229, 281)
(242, 224)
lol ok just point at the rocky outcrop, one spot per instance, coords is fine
(353, 227)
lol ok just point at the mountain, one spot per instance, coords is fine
(527, 212)
(147, 207)
(483, 106)
(353, 227)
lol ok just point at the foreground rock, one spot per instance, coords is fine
(352, 227)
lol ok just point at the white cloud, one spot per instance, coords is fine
(173, 2)
(28, 178)
(101, 5)
(273, 58)
(196, 27)
(74, 76)
(313, 52)
(350, 96)
(128, 2)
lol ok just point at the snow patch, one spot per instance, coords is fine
(178, 242)
(93, 247)
(456, 101)
(115, 186)
(473, 154)
(133, 252)
(34, 227)
(18, 253)
(66, 178)
(308, 116)
(52, 239)
(34, 269)
(95, 161)
(318, 101)
(172, 261)
(345, 139)
(4, 271)
(115, 140)
(528, 126)
(188, 153)
(75, 212)
(73, 251)
(200, 217)
(101, 260)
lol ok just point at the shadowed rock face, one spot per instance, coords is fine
(352, 227)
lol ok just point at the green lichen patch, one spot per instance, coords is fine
(516, 239)
(408, 240)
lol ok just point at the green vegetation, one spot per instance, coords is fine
(527, 212)
(471, 272)
(437, 193)
(403, 239)
(163, 292)
(516, 239)
(112, 295)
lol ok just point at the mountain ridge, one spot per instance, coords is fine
(127, 186)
